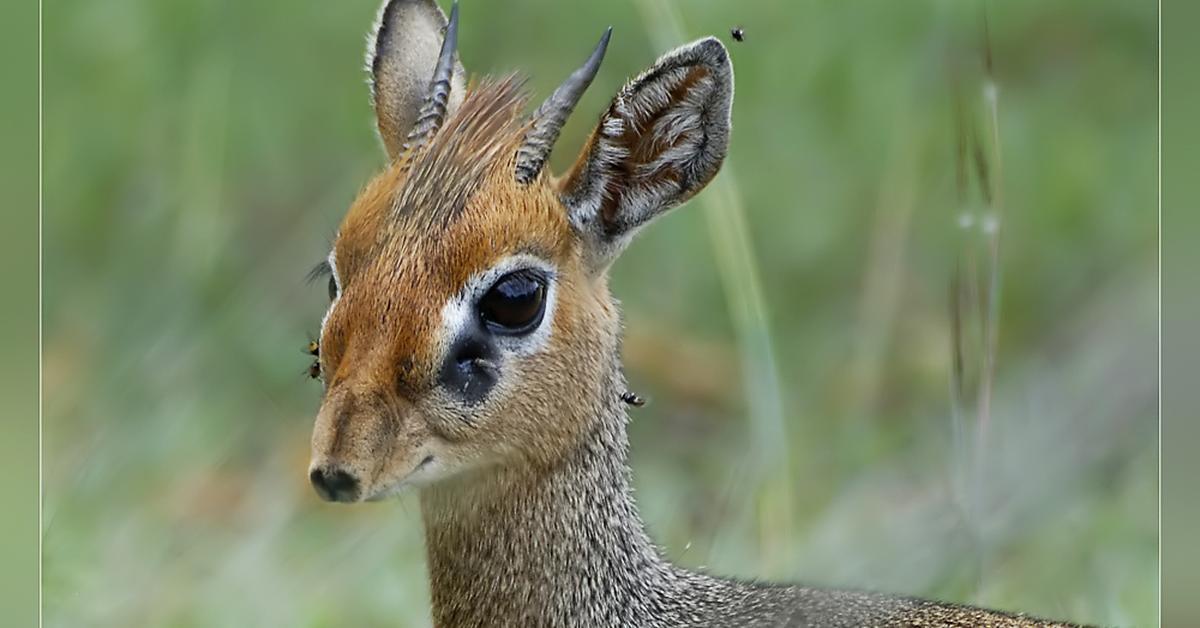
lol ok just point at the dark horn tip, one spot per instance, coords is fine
(452, 23)
(603, 45)
(553, 112)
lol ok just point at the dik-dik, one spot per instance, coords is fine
(471, 350)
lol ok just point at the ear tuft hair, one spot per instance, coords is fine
(661, 140)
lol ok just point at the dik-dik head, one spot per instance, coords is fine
(470, 322)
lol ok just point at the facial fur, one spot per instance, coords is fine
(418, 248)
(434, 359)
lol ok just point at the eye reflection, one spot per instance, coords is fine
(515, 303)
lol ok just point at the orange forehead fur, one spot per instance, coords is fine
(421, 228)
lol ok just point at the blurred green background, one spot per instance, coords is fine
(1180, 399)
(19, 274)
(809, 418)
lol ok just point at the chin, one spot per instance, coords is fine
(388, 491)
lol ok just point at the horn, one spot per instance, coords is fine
(550, 116)
(433, 111)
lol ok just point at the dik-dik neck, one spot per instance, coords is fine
(561, 546)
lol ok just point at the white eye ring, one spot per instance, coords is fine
(336, 280)
(462, 309)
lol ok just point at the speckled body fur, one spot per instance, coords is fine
(515, 436)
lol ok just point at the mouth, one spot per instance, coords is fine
(392, 489)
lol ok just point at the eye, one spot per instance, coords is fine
(515, 303)
(324, 269)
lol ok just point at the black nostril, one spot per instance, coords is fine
(469, 350)
(470, 371)
(334, 485)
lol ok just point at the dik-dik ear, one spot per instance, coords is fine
(401, 56)
(661, 140)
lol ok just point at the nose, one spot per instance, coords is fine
(334, 485)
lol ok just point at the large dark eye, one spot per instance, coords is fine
(515, 303)
(332, 288)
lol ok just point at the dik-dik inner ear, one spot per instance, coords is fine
(661, 140)
(402, 54)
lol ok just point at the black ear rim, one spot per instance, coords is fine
(387, 38)
(379, 38)
(581, 197)
(708, 52)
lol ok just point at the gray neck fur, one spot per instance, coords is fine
(565, 546)
(558, 546)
